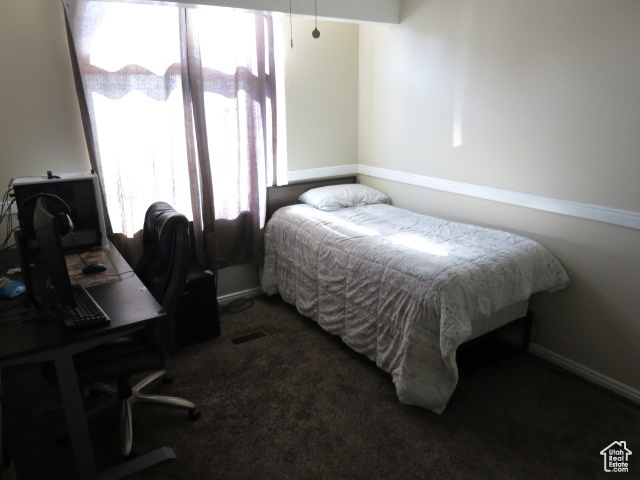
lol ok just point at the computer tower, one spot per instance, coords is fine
(197, 317)
(76, 194)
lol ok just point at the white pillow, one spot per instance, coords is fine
(335, 197)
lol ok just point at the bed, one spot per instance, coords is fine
(404, 289)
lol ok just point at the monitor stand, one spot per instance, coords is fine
(23, 250)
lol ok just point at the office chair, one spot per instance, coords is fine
(163, 269)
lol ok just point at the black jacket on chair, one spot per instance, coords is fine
(165, 262)
(163, 269)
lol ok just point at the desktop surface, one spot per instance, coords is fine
(42, 338)
(123, 297)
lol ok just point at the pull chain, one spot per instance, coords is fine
(316, 32)
(291, 23)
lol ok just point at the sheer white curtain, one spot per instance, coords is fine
(179, 106)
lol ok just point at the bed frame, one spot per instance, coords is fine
(284, 195)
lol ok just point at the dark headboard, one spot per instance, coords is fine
(284, 195)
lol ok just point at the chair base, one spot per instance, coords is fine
(138, 464)
(130, 395)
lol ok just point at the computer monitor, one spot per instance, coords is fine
(47, 232)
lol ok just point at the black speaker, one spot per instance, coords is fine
(197, 317)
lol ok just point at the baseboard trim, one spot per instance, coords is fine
(599, 213)
(230, 297)
(587, 373)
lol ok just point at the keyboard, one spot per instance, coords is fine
(86, 312)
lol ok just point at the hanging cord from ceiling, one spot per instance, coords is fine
(291, 22)
(316, 32)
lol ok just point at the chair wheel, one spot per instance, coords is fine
(167, 378)
(194, 413)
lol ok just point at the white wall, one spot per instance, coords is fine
(40, 127)
(544, 97)
(544, 92)
(321, 83)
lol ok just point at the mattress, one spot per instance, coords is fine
(404, 289)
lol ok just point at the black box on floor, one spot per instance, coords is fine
(197, 313)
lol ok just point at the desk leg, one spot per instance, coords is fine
(76, 420)
(81, 439)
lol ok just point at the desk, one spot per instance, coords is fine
(131, 307)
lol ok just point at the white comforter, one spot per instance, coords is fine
(400, 287)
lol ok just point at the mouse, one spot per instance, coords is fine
(94, 268)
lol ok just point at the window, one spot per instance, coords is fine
(180, 106)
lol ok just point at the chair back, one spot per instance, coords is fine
(165, 261)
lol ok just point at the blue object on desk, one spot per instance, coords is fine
(10, 288)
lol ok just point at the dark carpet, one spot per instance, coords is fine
(297, 404)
